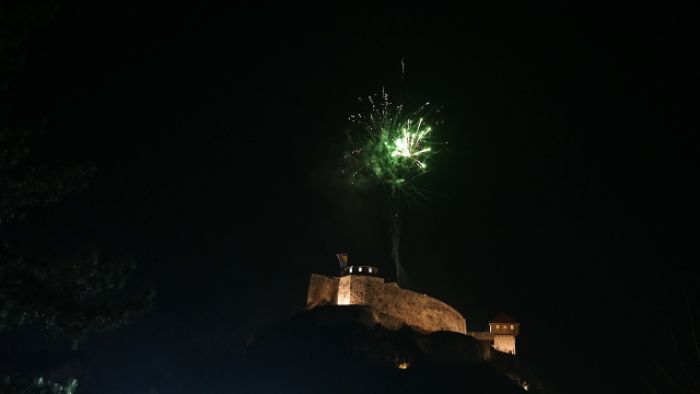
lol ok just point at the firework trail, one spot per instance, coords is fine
(390, 147)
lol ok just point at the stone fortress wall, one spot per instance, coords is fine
(322, 291)
(419, 311)
(422, 311)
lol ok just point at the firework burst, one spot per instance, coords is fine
(390, 146)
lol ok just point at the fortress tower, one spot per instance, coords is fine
(504, 330)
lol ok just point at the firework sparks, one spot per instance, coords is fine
(391, 147)
(408, 144)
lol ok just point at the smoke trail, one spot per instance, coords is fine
(390, 146)
(401, 278)
(395, 225)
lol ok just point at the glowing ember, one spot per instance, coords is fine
(403, 365)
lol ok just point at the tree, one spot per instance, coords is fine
(65, 296)
(37, 386)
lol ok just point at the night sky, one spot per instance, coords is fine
(565, 197)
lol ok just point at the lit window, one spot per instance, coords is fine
(512, 327)
(498, 326)
(360, 269)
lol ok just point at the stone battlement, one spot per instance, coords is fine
(419, 311)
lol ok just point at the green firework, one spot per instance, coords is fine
(390, 146)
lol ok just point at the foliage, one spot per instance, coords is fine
(23, 186)
(68, 296)
(40, 385)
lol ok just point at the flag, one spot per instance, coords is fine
(342, 259)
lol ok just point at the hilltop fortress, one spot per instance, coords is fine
(394, 307)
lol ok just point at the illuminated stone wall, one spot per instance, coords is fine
(504, 343)
(421, 311)
(417, 310)
(322, 291)
(394, 305)
(361, 290)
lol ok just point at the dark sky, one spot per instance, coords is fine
(566, 196)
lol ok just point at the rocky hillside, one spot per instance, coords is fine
(342, 349)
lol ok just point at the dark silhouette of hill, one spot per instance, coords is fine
(341, 349)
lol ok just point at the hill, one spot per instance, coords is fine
(342, 349)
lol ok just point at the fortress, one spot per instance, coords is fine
(394, 307)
